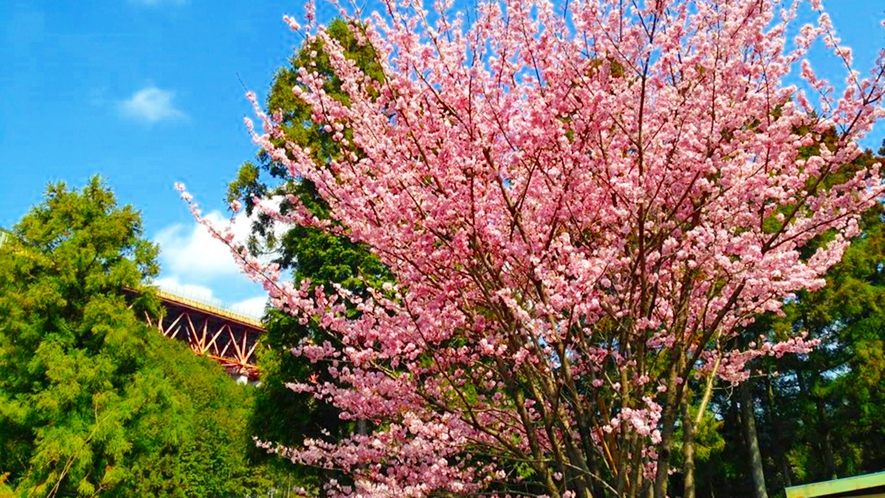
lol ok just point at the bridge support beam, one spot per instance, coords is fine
(225, 337)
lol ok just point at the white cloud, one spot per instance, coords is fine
(254, 306)
(151, 104)
(196, 265)
(193, 291)
(190, 253)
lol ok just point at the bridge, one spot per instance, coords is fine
(222, 335)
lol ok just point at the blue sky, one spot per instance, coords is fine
(149, 92)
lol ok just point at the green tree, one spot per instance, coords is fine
(840, 388)
(818, 416)
(791, 421)
(282, 415)
(196, 442)
(93, 402)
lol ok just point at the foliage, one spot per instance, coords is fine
(314, 254)
(581, 210)
(839, 388)
(281, 415)
(821, 414)
(93, 401)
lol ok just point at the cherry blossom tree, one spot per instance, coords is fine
(580, 204)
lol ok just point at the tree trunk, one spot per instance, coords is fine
(668, 422)
(823, 427)
(826, 439)
(748, 420)
(780, 442)
(687, 450)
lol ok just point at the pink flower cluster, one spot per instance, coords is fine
(578, 204)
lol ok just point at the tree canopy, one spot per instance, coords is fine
(322, 259)
(820, 415)
(93, 402)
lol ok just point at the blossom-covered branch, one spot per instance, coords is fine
(579, 205)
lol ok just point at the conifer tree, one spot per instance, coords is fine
(93, 402)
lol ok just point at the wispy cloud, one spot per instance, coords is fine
(151, 105)
(254, 306)
(193, 291)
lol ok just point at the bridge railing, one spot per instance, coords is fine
(209, 305)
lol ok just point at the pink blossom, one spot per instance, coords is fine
(560, 201)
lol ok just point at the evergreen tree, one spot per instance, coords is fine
(93, 402)
(282, 415)
(818, 416)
